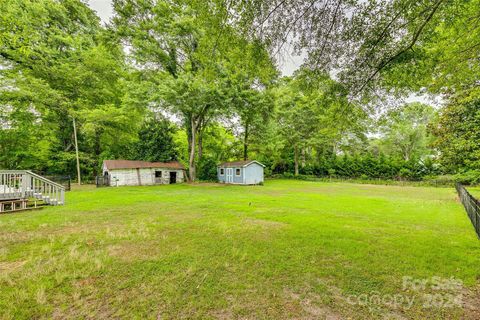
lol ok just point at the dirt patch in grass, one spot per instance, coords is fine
(264, 223)
(222, 314)
(11, 266)
(132, 251)
(311, 306)
(471, 303)
(259, 229)
(85, 309)
(86, 282)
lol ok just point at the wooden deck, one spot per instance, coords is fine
(16, 186)
(9, 193)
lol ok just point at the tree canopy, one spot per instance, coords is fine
(199, 81)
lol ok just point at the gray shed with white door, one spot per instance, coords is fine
(241, 172)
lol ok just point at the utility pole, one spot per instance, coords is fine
(76, 152)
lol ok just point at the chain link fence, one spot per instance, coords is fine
(472, 206)
(65, 181)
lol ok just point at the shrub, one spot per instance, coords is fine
(366, 167)
(469, 177)
(207, 169)
(288, 175)
(331, 172)
(405, 173)
(440, 180)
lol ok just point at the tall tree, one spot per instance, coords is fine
(155, 140)
(314, 113)
(59, 49)
(187, 49)
(404, 131)
(37, 50)
(254, 109)
(457, 134)
(296, 118)
(364, 41)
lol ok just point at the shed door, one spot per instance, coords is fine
(229, 175)
(158, 176)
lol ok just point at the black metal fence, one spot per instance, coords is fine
(102, 181)
(472, 206)
(65, 181)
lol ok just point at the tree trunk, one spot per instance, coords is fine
(200, 145)
(188, 129)
(79, 178)
(191, 160)
(97, 150)
(200, 128)
(405, 153)
(303, 158)
(296, 159)
(245, 143)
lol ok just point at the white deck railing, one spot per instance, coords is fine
(21, 184)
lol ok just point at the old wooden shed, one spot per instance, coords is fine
(136, 173)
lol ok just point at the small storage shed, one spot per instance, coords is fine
(241, 172)
(137, 173)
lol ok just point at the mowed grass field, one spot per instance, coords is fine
(285, 250)
(474, 191)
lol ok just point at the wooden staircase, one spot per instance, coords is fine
(17, 186)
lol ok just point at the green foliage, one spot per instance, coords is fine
(193, 59)
(332, 171)
(59, 63)
(155, 141)
(366, 167)
(445, 61)
(207, 169)
(255, 110)
(471, 177)
(404, 132)
(457, 135)
(314, 115)
(194, 62)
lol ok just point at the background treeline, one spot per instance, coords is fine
(366, 167)
(190, 81)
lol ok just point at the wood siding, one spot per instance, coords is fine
(144, 176)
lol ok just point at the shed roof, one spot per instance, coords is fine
(133, 164)
(239, 163)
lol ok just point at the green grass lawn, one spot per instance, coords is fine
(474, 191)
(289, 249)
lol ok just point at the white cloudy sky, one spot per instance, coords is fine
(288, 64)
